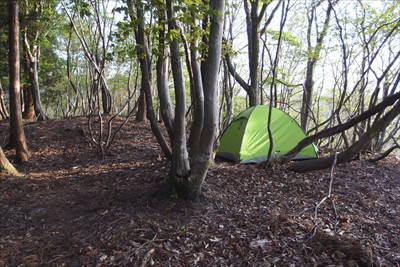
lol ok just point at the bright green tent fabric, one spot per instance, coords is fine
(246, 138)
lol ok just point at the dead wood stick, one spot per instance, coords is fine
(147, 257)
(314, 229)
(136, 252)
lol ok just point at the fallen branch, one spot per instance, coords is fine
(329, 196)
(388, 101)
(390, 150)
(355, 149)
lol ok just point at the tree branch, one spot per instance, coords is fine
(390, 100)
(232, 71)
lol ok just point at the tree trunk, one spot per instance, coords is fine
(198, 99)
(31, 58)
(6, 167)
(254, 17)
(141, 111)
(390, 100)
(306, 103)
(228, 97)
(106, 99)
(162, 78)
(17, 134)
(313, 56)
(28, 110)
(34, 88)
(253, 38)
(357, 147)
(144, 61)
(190, 187)
(3, 110)
(180, 159)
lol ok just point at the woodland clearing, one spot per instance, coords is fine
(74, 207)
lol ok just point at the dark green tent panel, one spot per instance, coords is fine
(246, 138)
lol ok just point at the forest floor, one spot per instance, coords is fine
(74, 207)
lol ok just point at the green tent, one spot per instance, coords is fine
(246, 138)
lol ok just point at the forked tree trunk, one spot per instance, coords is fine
(17, 134)
(190, 187)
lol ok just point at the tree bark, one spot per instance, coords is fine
(357, 147)
(390, 100)
(162, 78)
(180, 160)
(313, 56)
(3, 110)
(190, 188)
(6, 167)
(198, 92)
(34, 88)
(31, 58)
(254, 17)
(141, 111)
(17, 134)
(144, 61)
(28, 111)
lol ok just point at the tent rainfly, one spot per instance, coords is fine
(246, 138)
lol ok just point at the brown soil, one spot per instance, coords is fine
(74, 207)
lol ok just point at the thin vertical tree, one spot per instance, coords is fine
(17, 134)
(37, 17)
(314, 52)
(254, 19)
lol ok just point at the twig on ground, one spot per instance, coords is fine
(143, 245)
(329, 196)
(147, 257)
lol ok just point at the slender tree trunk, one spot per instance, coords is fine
(254, 17)
(253, 20)
(313, 55)
(34, 88)
(28, 109)
(357, 147)
(3, 110)
(198, 98)
(390, 100)
(31, 58)
(228, 97)
(180, 160)
(141, 111)
(17, 134)
(144, 61)
(6, 167)
(162, 78)
(307, 95)
(77, 90)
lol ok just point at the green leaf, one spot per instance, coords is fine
(173, 35)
